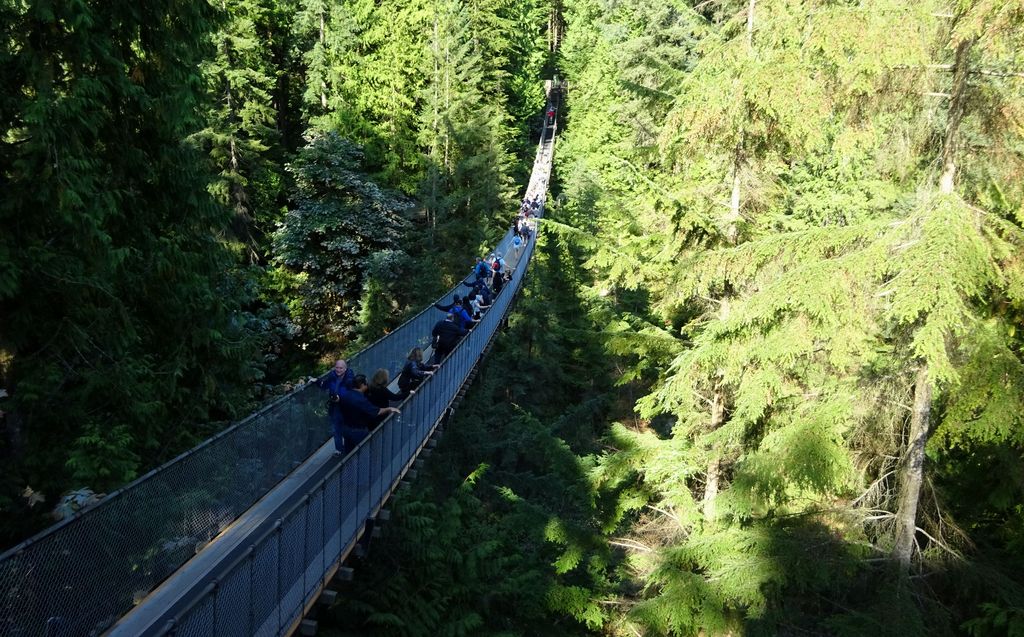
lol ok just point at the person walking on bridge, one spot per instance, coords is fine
(462, 317)
(481, 269)
(446, 335)
(480, 289)
(379, 394)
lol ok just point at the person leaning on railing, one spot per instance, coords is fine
(359, 414)
(458, 312)
(480, 288)
(415, 371)
(476, 304)
(379, 394)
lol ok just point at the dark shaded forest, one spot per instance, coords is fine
(766, 376)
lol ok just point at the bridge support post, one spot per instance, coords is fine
(328, 596)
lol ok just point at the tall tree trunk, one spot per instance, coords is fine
(731, 231)
(956, 115)
(751, 5)
(435, 127)
(714, 470)
(447, 104)
(323, 43)
(731, 223)
(739, 157)
(732, 220)
(913, 469)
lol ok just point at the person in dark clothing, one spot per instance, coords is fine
(481, 289)
(415, 371)
(335, 384)
(456, 300)
(497, 282)
(446, 335)
(379, 394)
(360, 415)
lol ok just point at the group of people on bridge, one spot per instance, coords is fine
(356, 406)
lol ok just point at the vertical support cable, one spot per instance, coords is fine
(252, 589)
(213, 594)
(279, 530)
(305, 549)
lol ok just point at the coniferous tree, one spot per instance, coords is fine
(466, 179)
(391, 74)
(241, 134)
(328, 33)
(117, 319)
(340, 220)
(850, 284)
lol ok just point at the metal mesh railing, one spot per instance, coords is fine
(80, 576)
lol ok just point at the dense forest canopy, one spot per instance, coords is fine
(767, 374)
(822, 204)
(202, 201)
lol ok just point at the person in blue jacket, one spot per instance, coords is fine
(482, 270)
(359, 414)
(462, 317)
(336, 382)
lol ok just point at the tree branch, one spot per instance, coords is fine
(872, 486)
(631, 544)
(941, 545)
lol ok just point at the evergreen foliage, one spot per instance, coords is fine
(146, 292)
(790, 230)
(830, 292)
(241, 128)
(118, 328)
(342, 222)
